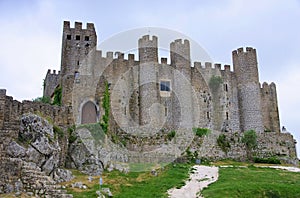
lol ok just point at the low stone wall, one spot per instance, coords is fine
(269, 144)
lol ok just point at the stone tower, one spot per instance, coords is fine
(180, 56)
(245, 67)
(76, 44)
(148, 88)
(181, 61)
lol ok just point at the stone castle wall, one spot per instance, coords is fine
(11, 111)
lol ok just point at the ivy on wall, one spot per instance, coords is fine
(106, 106)
(57, 96)
(214, 83)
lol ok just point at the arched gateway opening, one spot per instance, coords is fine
(89, 113)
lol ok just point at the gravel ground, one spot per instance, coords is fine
(201, 177)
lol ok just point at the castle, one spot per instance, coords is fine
(151, 93)
(148, 110)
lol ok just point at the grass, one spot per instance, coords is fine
(133, 184)
(254, 182)
(234, 182)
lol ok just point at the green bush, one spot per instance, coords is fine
(201, 131)
(72, 136)
(270, 160)
(250, 139)
(58, 131)
(215, 82)
(171, 135)
(223, 143)
(57, 100)
(44, 99)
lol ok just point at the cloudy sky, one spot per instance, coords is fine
(31, 34)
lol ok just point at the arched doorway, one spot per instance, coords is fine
(89, 113)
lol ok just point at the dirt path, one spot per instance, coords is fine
(202, 177)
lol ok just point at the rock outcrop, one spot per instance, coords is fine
(92, 151)
(32, 160)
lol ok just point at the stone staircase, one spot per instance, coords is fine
(36, 183)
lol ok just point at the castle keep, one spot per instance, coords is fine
(154, 94)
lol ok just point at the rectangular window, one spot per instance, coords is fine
(69, 37)
(77, 37)
(86, 38)
(76, 74)
(165, 86)
(225, 87)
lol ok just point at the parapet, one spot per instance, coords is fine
(52, 72)
(78, 26)
(267, 87)
(147, 38)
(110, 55)
(210, 66)
(179, 42)
(241, 50)
(119, 55)
(2, 93)
(131, 57)
(146, 41)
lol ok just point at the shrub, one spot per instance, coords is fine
(250, 139)
(201, 131)
(58, 131)
(43, 99)
(215, 82)
(57, 96)
(171, 135)
(72, 136)
(270, 160)
(223, 143)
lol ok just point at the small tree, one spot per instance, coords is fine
(250, 141)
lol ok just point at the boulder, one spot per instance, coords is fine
(15, 150)
(62, 175)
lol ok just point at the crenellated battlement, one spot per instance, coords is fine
(11, 111)
(2, 93)
(148, 38)
(212, 66)
(268, 88)
(52, 72)
(180, 42)
(78, 26)
(242, 50)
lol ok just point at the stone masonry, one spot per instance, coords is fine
(148, 99)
